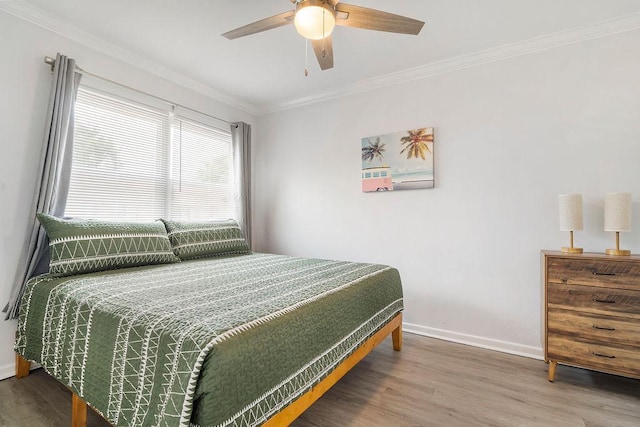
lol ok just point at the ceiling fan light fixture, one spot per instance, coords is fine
(315, 19)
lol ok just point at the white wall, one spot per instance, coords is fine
(25, 82)
(510, 137)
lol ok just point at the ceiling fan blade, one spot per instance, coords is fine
(372, 19)
(262, 25)
(324, 52)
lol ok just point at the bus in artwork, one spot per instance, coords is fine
(376, 179)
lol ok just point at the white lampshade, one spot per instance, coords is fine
(570, 212)
(617, 212)
(314, 19)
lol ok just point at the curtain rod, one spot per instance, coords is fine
(52, 61)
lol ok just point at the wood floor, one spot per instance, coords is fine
(429, 383)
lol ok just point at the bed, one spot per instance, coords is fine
(246, 339)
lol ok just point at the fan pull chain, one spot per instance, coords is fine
(306, 57)
(324, 38)
(324, 47)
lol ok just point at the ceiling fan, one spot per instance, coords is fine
(315, 20)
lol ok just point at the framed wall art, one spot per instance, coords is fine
(398, 161)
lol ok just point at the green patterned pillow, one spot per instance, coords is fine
(81, 246)
(203, 239)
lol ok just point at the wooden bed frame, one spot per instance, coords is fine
(289, 413)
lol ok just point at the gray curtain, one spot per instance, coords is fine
(241, 138)
(53, 176)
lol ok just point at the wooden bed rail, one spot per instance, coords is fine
(291, 412)
(296, 408)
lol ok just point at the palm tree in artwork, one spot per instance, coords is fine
(416, 143)
(373, 150)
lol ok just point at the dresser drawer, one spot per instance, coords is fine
(594, 272)
(614, 359)
(594, 327)
(589, 299)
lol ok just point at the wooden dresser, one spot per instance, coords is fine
(592, 312)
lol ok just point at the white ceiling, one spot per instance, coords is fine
(267, 68)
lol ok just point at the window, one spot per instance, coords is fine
(137, 163)
(200, 172)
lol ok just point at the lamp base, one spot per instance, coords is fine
(571, 250)
(618, 252)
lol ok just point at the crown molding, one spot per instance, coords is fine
(39, 17)
(500, 53)
(45, 20)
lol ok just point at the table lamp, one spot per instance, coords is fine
(617, 217)
(570, 218)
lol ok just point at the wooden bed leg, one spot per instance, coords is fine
(397, 338)
(396, 334)
(78, 411)
(22, 366)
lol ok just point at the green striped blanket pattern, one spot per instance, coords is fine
(208, 342)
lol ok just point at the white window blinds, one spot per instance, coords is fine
(200, 172)
(132, 162)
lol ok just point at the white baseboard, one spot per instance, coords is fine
(476, 341)
(7, 371)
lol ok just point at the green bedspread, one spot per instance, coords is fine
(227, 341)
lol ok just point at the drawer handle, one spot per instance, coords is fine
(604, 301)
(595, 273)
(603, 355)
(603, 328)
